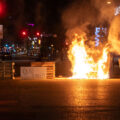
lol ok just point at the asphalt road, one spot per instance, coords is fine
(60, 99)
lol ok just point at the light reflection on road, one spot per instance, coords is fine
(64, 99)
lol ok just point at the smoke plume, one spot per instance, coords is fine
(106, 10)
(19, 13)
(114, 35)
(78, 16)
(40, 17)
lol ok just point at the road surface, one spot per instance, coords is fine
(60, 99)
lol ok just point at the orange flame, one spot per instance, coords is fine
(83, 65)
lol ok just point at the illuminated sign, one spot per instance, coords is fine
(97, 30)
(99, 34)
(117, 11)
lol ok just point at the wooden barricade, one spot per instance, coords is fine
(50, 68)
(7, 70)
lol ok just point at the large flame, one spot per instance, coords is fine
(83, 65)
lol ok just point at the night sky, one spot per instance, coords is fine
(45, 14)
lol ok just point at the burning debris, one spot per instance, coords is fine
(90, 61)
(84, 65)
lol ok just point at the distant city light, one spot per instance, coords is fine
(38, 33)
(35, 38)
(33, 42)
(117, 11)
(24, 33)
(39, 42)
(98, 36)
(66, 43)
(55, 35)
(49, 47)
(108, 2)
(29, 38)
(41, 35)
(31, 24)
(13, 45)
(52, 45)
(2, 8)
(97, 30)
(6, 45)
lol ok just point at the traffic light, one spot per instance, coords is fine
(2, 8)
(24, 33)
(37, 33)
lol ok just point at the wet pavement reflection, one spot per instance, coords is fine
(61, 100)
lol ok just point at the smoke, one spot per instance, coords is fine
(114, 35)
(40, 17)
(92, 12)
(78, 16)
(80, 30)
(106, 10)
(19, 13)
(107, 14)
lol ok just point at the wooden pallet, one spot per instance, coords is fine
(7, 70)
(50, 68)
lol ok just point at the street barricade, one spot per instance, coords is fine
(33, 73)
(50, 68)
(7, 70)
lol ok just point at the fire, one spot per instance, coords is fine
(83, 65)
